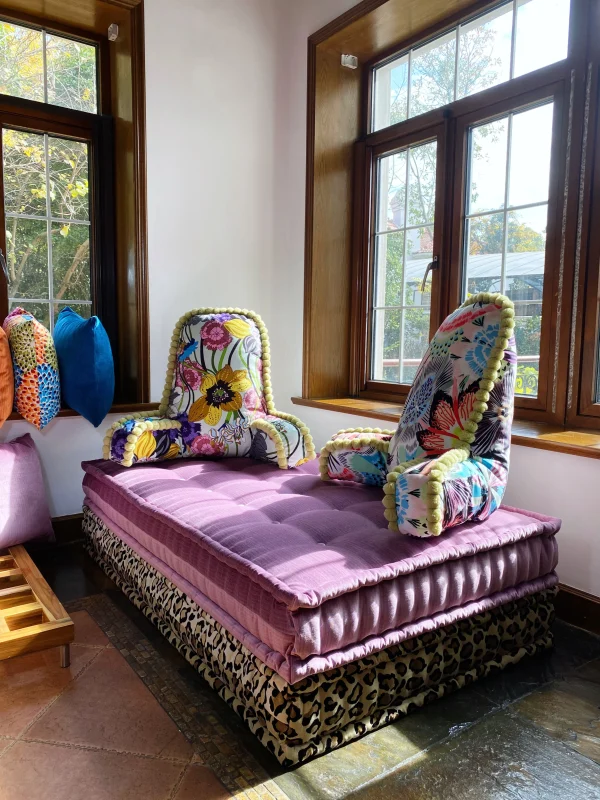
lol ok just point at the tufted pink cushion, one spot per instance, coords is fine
(24, 513)
(284, 553)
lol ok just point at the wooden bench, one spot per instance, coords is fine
(31, 616)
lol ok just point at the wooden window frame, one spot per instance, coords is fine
(96, 131)
(118, 136)
(551, 82)
(583, 402)
(336, 250)
(368, 154)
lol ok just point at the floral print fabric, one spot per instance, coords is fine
(442, 396)
(35, 367)
(217, 402)
(471, 491)
(361, 463)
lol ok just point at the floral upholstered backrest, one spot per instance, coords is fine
(463, 392)
(215, 384)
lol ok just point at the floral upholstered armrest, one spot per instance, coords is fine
(428, 496)
(143, 437)
(357, 454)
(282, 439)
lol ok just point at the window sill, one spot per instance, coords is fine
(526, 434)
(122, 409)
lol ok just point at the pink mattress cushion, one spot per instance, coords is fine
(305, 566)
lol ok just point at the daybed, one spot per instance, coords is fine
(296, 603)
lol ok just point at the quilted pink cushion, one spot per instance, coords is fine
(24, 513)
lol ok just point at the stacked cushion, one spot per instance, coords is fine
(36, 381)
(86, 365)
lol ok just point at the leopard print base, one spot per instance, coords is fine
(322, 712)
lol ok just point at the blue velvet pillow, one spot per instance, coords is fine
(85, 363)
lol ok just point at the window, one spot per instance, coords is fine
(513, 39)
(46, 180)
(479, 171)
(72, 173)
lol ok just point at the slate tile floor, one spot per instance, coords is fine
(107, 728)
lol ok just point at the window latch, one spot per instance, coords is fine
(433, 264)
(4, 267)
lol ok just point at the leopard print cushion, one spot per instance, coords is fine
(322, 712)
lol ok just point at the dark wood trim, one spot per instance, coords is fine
(578, 608)
(141, 198)
(67, 529)
(128, 4)
(339, 23)
(50, 25)
(309, 202)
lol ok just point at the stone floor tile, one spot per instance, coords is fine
(87, 631)
(110, 707)
(201, 783)
(568, 710)
(36, 771)
(30, 683)
(501, 757)
(343, 770)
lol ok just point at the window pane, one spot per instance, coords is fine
(488, 167)
(69, 184)
(531, 142)
(487, 51)
(484, 51)
(432, 75)
(41, 311)
(27, 257)
(21, 62)
(39, 269)
(506, 251)
(71, 261)
(392, 192)
(542, 33)
(401, 329)
(386, 345)
(391, 93)
(389, 273)
(24, 172)
(415, 340)
(421, 183)
(71, 70)
(483, 262)
(419, 252)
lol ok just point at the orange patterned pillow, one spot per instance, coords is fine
(37, 386)
(7, 380)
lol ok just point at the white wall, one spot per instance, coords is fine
(226, 111)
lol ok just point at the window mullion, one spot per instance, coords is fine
(506, 201)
